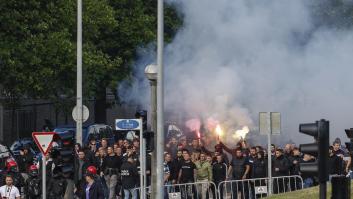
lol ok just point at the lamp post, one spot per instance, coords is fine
(160, 101)
(151, 74)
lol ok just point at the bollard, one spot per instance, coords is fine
(341, 187)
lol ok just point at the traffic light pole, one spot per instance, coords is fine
(322, 190)
(142, 162)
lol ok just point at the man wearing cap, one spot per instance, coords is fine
(12, 169)
(91, 189)
(33, 184)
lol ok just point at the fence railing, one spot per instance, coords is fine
(230, 189)
(258, 187)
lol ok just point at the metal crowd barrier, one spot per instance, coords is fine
(231, 189)
(196, 190)
(258, 187)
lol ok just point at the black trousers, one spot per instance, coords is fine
(242, 188)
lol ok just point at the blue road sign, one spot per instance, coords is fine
(127, 124)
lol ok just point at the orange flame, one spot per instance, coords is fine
(241, 134)
(219, 130)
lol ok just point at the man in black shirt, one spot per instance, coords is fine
(110, 167)
(129, 178)
(187, 170)
(280, 168)
(81, 164)
(219, 169)
(334, 163)
(187, 175)
(239, 170)
(294, 169)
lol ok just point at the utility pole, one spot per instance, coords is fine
(160, 103)
(79, 73)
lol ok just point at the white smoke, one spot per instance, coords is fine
(235, 58)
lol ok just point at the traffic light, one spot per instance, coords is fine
(65, 152)
(341, 184)
(321, 133)
(143, 115)
(349, 145)
(149, 137)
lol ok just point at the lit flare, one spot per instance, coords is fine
(219, 131)
(241, 134)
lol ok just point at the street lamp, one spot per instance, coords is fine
(151, 74)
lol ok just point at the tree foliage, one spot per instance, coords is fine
(38, 44)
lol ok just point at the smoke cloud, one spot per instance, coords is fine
(235, 58)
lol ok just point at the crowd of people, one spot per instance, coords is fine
(107, 171)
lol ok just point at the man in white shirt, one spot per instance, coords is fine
(9, 191)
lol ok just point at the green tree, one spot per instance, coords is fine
(38, 47)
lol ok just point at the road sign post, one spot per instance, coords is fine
(136, 124)
(44, 142)
(269, 124)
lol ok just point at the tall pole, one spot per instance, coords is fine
(160, 103)
(153, 84)
(44, 176)
(269, 155)
(142, 164)
(79, 73)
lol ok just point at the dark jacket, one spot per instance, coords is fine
(294, 165)
(239, 167)
(334, 164)
(259, 168)
(282, 164)
(24, 162)
(56, 187)
(219, 172)
(33, 187)
(85, 165)
(129, 175)
(173, 169)
(95, 191)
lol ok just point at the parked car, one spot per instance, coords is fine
(96, 131)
